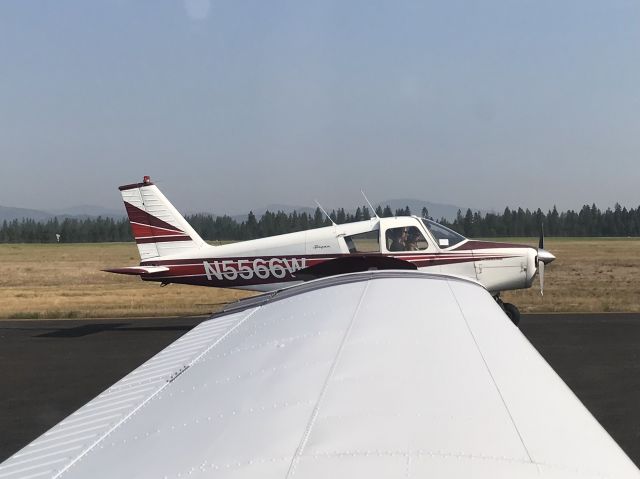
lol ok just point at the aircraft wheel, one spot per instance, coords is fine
(512, 312)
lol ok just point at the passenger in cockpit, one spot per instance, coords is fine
(412, 240)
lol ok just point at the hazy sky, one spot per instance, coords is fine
(230, 105)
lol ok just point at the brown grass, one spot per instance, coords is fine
(589, 275)
(65, 281)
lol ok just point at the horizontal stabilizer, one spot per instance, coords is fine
(138, 270)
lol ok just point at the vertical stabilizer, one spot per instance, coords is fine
(158, 228)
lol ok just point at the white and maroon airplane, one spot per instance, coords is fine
(172, 252)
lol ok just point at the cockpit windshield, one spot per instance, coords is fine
(443, 235)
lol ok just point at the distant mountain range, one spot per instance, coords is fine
(436, 210)
(8, 213)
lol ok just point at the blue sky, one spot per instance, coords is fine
(230, 105)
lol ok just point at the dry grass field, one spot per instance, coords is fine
(589, 275)
(65, 281)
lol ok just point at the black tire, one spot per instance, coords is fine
(512, 312)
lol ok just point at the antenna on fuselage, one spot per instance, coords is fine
(325, 213)
(370, 205)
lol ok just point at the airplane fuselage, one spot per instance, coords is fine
(270, 263)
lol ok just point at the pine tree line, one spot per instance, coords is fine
(589, 221)
(90, 230)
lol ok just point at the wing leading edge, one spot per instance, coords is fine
(382, 373)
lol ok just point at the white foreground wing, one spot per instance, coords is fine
(381, 374)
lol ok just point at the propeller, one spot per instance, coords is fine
(544, 257)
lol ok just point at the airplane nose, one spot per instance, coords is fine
(545, 256)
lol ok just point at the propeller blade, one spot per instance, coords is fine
(544, 257)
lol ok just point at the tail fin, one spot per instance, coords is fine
(159, 229)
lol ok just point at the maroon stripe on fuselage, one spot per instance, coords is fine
(198, 268)
(236, 258)
(201, 280)
(445, 256)
(194, 272)
(472, 244)
(445, 261)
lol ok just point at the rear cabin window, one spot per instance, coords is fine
(368, 242)
(408, 238)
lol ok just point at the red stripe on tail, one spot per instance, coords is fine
(142, 217)
(147, 228)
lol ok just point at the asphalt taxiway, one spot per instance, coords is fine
(48, 369)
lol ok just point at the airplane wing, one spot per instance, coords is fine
(374, 374)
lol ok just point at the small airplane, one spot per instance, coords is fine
(172, 252)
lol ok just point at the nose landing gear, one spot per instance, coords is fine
(509, 309)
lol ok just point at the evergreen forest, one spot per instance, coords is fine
(590, 221)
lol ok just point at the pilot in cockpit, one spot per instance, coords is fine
(398, 239)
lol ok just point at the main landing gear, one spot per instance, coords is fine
(509, 309)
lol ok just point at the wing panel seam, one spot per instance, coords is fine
(316, 410)
(484, 361)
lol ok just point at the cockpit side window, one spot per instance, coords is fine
(368, 242)
(443, 235)
(407, 238)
